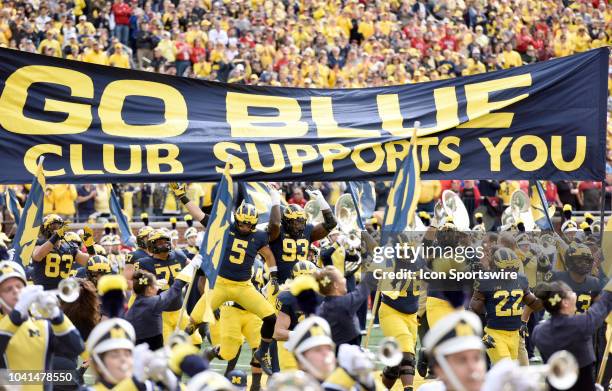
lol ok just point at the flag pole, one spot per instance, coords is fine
(187, 294)
(410, 219)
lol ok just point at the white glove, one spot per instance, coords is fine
(11, 254)
(507, 373)
(26, 297)
(196, 261)
(141, 357)
(316, 194)
(355, 362)
(162, 283)
(275, 196)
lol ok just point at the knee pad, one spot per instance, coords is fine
(391, 373)
(267, 328)
(407, 364)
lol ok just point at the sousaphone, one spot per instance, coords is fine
(454, 207)
(520, 205)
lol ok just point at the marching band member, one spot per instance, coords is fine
(27, 343)
(568, 330)
(53, 257)
(191, 235)
(313, 348)
(456, 353)
(117, 363)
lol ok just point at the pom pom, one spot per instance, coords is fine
(304, 283)
(185, 358)
(111, 282)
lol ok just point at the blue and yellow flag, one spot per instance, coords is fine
(404, 194)
(124, 226)
(258, 194)
(12, 204)
(539, 206)
(219, 222)
(31, 219)
(364, 198)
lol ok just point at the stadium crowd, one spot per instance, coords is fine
(274, 282)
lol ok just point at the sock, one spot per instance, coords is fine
(255, 382)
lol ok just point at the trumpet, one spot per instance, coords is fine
(561, 372)
(389, 352)
(68, 291)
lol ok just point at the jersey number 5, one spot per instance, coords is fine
(238, 251)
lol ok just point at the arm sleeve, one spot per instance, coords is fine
(353, 300)
(588, 322)
(66, 335)
(169, 298)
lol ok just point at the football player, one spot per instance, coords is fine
(233, 281)
(503, 300)
(53, 257)
(288, 316)
(97, 266)
(579, 261)
(236, 324)
(136, 255)
(165, 264)
(290, 238)
(398, 319)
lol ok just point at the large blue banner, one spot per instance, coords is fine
(100, 124)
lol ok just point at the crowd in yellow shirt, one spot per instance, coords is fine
(329, 43)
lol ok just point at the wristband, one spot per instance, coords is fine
(273, 269)
(184, 199)
(91, 250)
(54, 238)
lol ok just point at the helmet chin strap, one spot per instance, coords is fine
(309, 368)
(103, 370)
(5, 305)
(450, 373)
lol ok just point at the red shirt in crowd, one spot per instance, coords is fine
(182, 51)
(122, 12)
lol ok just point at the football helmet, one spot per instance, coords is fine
(579, 258)
(50, 224)
(504, 258)
(303, 268)
(141, 237)
(158, 242)
(247, 214)
(294, 220)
